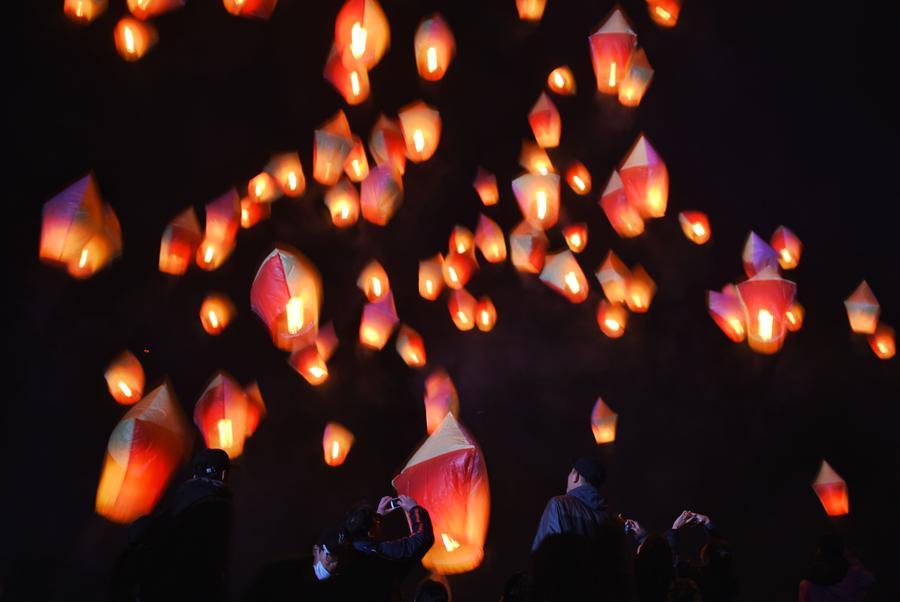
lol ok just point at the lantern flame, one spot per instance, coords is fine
(125, 389)
(572, 282)
(335, 450)
(354, 83)
(294, 309)
(129, 39)
(419, 140)
(226, 435)
(213, 319)
(612, 74)
(358, 35)
(541, 204)
(82, 261)
(765, 319)
(431, 58)
(449, 543)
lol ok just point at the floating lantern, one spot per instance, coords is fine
(645, 179)
(486, 186)
(576, 237)
(253, 213)
(431, 277)
(612, 319)
(622, 216)
(387, 145)
(788, 247)
(134, 38)
(336, 443)
(421, 127)
(535, 159)
(728, 313)
(148, 9)
(100, 249)
(832, 491)
(411, 347)
(263, 188)
(258, 9)
(603, 422)
(562, 81)
(664, 12)
(485, 314)
(180, 241)
(579, 178)
(84, 11)
(529, 248)
(462, 309)
(326, 341)
(440, 399)
(357, 165)
(333, 143)
(863, 309)
(461, 239)
(457, 268)
(373, 282)
(382, 194)
(613, 277)
(563, 274)
(125, 378)
(144, 450)
(223, 218)
(766, 297)
(362, 32)
(882, 342)
(637, 79)
(257, 407)
(611, 47)
(224, 415)
(459, 513)
(695, 226)
(794, 317)
(545, 122)
(538, 198)
(758, 256)
(434, 47)
(531, 10)
(348, 76)
(216, 313)
(342, 201)
(309, 363)
(378, 322)
(287, 172)
(639, 290)
(489, 239)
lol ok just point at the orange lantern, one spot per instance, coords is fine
(576, 237)
(440, 399)
(788, 247)
(485, 184)
(794, 317)
(223, 218)
(863, 309)
(563, 274)
(529, 248)
(342, 201)
(832, 491)
(637, 79)
(180, 241)
(378, 322)
(348, 76)
(562, 81)
(357, 165)
(882, 342)
(612, 319)
(147, 9)
(603, 422)
(462, 309)
(461, 239)
(664, 12)
(216, 313)
(459, 513)
(224, 415)
(125, 378)
(253, 213)
(531, 10)
(262, 188)
(287, 171)
(431, 277)
(361, 31)
(134, 38)
(411, 347)
(373, 282)
(382, 195)
(645, 179)
(286, 294)
(84, 11)
(333, 143)
(766, 297)
(421, 127)
(309, 363)
(758, 256)
(535, 159)
(613, 277)
(639, 290)
(579, 178)
(143, 452)
(490, 241)
(258, 9)
(336, 443)
(695, 226)
(387, 145)
(624, 218)
(611, 47)
(538, 198)
(485, 314)
(434, 47)
(545, 122)
(457, 268)
(725, 308)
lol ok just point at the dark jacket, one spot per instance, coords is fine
(581, 512)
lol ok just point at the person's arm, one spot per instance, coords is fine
(420, 538)
(549, 524)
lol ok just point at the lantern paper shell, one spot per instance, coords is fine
(625, 219)
(253, 213)
(440, 399)
(576, 237)
(378, 322)
(333, 143)
(563, 274)
(788, 247)
(348, 76)
(144, 450)
(431, 277)
(457, 269)
(373, 282)
(84, 11)
(309, 363)
(387, 145)
(793, 317)
(125, 378)
(257, 9)
(695, 226)
(421, 127)
(562, 81)
(529, 248)
(538, 199)
(447, 475)
(545, 122)
(579, 178)
(882, 342)
(612, 318)
(832, 491)
(287, 171)
(326, 341)
(863, 309)
(531, 10)
(489, 239)
(664, 12)
(462, 309)
(361, 31)
(766, 298)
(613, 277)
(485, 314)
(134, 38)
(357, 165)
(611, 48)
(728, 313)
(382, 195)
(486, 186)
(342, 201)
(603, 422)
(223, 414)
(758, 256)
(180, 241)
(147, 9)
(535, 159)
(223, 219)
(336, 443)
(411, 347)
(639, 291)
(461, 239)
(637, 79)
(434, 47)
(646, 179)
(262, 188)
(216, 313)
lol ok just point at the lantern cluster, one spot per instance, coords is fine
(361, 37)
(638, 190)
(625, 290)
(620, 66)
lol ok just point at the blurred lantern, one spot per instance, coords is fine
(603, 422)
(378, 322)
(645, 179)
(725, 308)
(84, 11)
(538, 198)
(125, 378)
(336, 443)
(223, 218)
(562, 81)
(579, 178)
(387, 145)
(459, 513)
(253, 213)
(411, 347)
(794, 317)
(326, 341)
(545, 122)
(457, 268)
(440, 399)
(832, 491)
(486, 186)
(788, 247)
(309, 363)
(382, 194)
(485, 314)
(134, 38)
(562, 273)
(258, 9)
(531, 10)
(695, 226)
(361, 31)
(147, 9)
(611, 47)
(758, 255)
(216, 313)
(490, 241)
(639, 290)
(882, 342)
(421, 127)
(333, 143)
(613, 277)
(286, 294)
(342, 201)
(637, 79)
(257, 407)
(431, 277)
(287, 171)
(576, 237)
(224, 415)
(462, 309)
(180, 241)
(262, 188)
(349, 76)
(612, 319)
(373, 282)
(625, 219)
(461, 239)
(863, 309)
(434, 47)
(664, 12)
(529, 248)
(535, 159)
(144, 450)
(357, 165)
(766, 298)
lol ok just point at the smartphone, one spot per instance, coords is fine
(394, 503)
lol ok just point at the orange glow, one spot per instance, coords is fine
(832, 491)
(562, 81)
(531, 10)
(645, 179)
(226, 434)
(287, 173)
(125, 378)
(535, 159)
(794, 317)
(457, 268)
(529, 248)
(625, 219)
(766, 298)
(664, 12)
(342, 201)
(440, 399)
(286, 282)
(545, 122)
(462, 309)
(882, 342)
(223, 219)
(263, 189)
(576, 237)
(538, 199)
(382, 194)
(695, 226)
(336, 443)
(333, 143)
(216, 313)
(293, 310)
(431, 277)
(421, 127)
(863, 309)
(258, 9)
(612, 319)
(611, 47)
(486, 186)
(309, 363)
(788, 247)
(579, 178)
(348, 76)
(387, 144)
(134, 38)
(563, 274)
(253, 213)
(461, 240)
(485, 314)
(725, 308)
(603, 422)
(637, 79)
(148, 9)
(179, 243)
(640, 289)
(489, 239)
(361, 31)
(357, 165)
(84, 11)
(411, 347)
(378, 322)
(613, 277)
(373, 282)
(225, 416)
(434, 47)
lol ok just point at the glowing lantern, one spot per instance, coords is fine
(695, 226)
(431, 277)
(357, 165)
(257, 407)
(258, 9)
(342, 201)
(179, 243)
(832, 491)
(611, 47)
(84, 11)
(378, 322)
(411, 347)
(603, 422)
(612, 319)
(489, 239)
(286, 294)
(144, 450)
(348, 76)
(362, 32)
(485, 314)
(562, 273)
(216, 313)
(645, 179)
(882, 342)
(125, 378)
(224, 415)
(434, 46)
(622, 216)
(535, 159)
(758, 256)
(562, 81)
(459, 513)
(421, 127)
(147, 9)
(387, 145)
(725, 308)
(462, 309)
(545, 122)
(461, 239)
(309, 363)
(538, 198)
(529, 248)
(373, 282)
(326, 341)
(457, 268)
(788, 247)
(223, 218)
(793, 317)
(664, 12)
(263, 188)
(134, 38)
(333, 143)
(287, 171)
(336, 443)
(486, 186)
(637, 79)
(613, 277)
(576, 237)
(766, 297)
(382, 194)
(863, 309)
(253, 213)
(531, 10)
(639, 290)
(579, 178)
(440, 399)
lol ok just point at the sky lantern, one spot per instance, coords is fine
(603, 422)
(387, 145)
(612, 319)
(336, 443)
(485, 314)
(431, 277)
(257, 9)
(84, 11)
(342, 201)
(147, 9)
(645, 179)
(613, 276)
(637, 79)
(882, 342)
(125, 378)
(144, 450)
(262, 188)
(489, 239)
(134, 38)
(695, 226)
(361, 31)
(224, 415)
(766, 298)
(440, 399)
(728, 313)
(485, 184)
(462, 309)
(863, 309)
(529, 248)
(382, 195)
(461, 239)
(333, 143)
(579, 178)
(576, 237)
(793, 317)
(411, 347)
(253, 213)
(457, 268)
(758, 255)
(538, 198)
(287, 171)
(373, 282)
(611, 47)
(563, 274)
(639, 290)
(223, 218)
(357, 165)
(545, 122)
(309, 363)
(562, 81)
(664, 12)
(535, 159)
(326, 341)
(434, 47)
(421, 127)
(216, 312)
(832, 491)
(286, 294)
(378, 322)
(180, 241)
(622, 216)
(788, 247)
(459, 513)
(104, 246)
(531, 10)
(349, 77)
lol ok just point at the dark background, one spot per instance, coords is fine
(766, 113)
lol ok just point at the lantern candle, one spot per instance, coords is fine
(378, 322)
(863, 309)
(766, 297)
(431, 277)
(625, 219)
(382, 195)
(84, 11)
(664, 12)
(562, 81)
(134, 38)
(639, 290)
(434, 47)
(148, 9)
(257, 9)
(831, 490)
(489, 239)
(646, 179)
(421, 127)
(531, 10)
(440, 399)
(457, 268)
(309, 363)
(411, 347)
(695, 226)
(348, 76)
(882, 342)
(613, 277)
(333, 143)
(262, 188)
(538, 199)
(535, 159)
(545, 122)
(373, 282)
(579, 178)
(342, 201)
(216, 312)
(287, 172)
(637, 79)
(223, 218)
(787, 246)
(612, 318)
(485, 184)
(336, 443)
(758, 256)
(563, 274)
(794, 317)
(611, 47)
(253, 213)
(529, 248)
(461, 240)
(362, 32)
(462, 309)
(725, 308)
(125, 378)
(603, 422)
(485, 314)
(357, 165)
(179, 243)
(576, 237)
(387, 145)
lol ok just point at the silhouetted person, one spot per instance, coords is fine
(834, 578)
(431, 591)
(713, 574)
(564, 568)
(653, 570)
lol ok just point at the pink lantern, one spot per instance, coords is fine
(535, 159)
(531, 10)
(563, 274)
(832, 491)
(257, 9)
(639, 290)
(788, 247)
(148, 9)
(461, 240)
(431, 277)
(457, 268)
(486, 186)
(603, 422)
(253, 213)
(362, 32)
(434, 48)
(576, 237)
(348, 76)
(287, 171)
(664, 12)
(489, 239)
(645, 179)
(545, 122)
(637, 79)
(529, 248)
(382, 195)
(612, 318)
(462, 309)
(309, 363)
(332, 146)
(611, 48)
(223, 219)
(766, 298)
(579, 178)
(758, 256)
(342, 201)
(421, 127)
(180, 241)
(440, 399)
(378, 322)
(373, 282)
(336, 443)
(613, 277)
(882, 342)
(411, 347)
(84, 11)
(387, 145)
(134, 38)
(224, 415)
(357, 165)
(863, 309)
(485, 314)
(622, 216)
(538, 199)
(562, 81)
(728, 313)
(695, 226)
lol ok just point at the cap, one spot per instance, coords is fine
(330, 539)
(211, 462)
(591, 470)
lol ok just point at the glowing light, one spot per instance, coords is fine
(376, 287)
(663, 13)
(576, 240)
(452, 273)
(213, 319)
(354, 82)
(572, 282)
(125, 389)
(260, 188)
(82, 261)
(766, 320)
(129, 40)
(294, 309)
(698, 229)
(558, 79)
(449, 543)
(786, 256)
(637, 301)
(737, 326)
(612, 74)
(578, 182)
(612, 324)
(541, 204)
(358, 36)
(226, 435)
(209, 254)
(431, 57)
(335, 450)
(462, 317)
(292, 180)
(356, 168)
(345, 210)
(317, 372)
(429, 286)
(419, 140)
(485, 317)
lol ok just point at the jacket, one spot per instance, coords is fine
(581, 512)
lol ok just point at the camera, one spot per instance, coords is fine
(394, 503)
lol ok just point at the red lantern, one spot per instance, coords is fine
(287, 171)
(411, 347)
(695, 226)
(263, 188)
(431, 277)
(148, 9)
(378, 322)
(333, 143)
(342, 201)
(361, 31)
(373, 282)
(639, 290)
(216, 313)
(611, 47)
(562, 81)
(461, 240)
(223, 415)
(538, 198)
(336, 443)
(563, 274)
(612, 319)
(490, 241)
(766, 298)
(576, 237)
(253, 213)
(788, 247)
(134, 38)
(421, 127)
(486, 186)
(832, 491)
(645, 179)
(603, 422)
(257, 9)
(387, 145)
(579, 178)
(84, 11)
(664, 12)
(794, 317)
(622, 216)
(357, 165)
(758, 256)
(179, 243)
(382, 195)
(348, 76)
(863, 309)
(529, 248)
(440, 399)
(457, 268)
(613, 277)
(223, 218)
(535, 160)
(637, 79)
(882, 342)
(485, 314)
(309, 363)
(725, 308)
(545, 122)
(462, 309)
(434, 47)
(125, 378)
